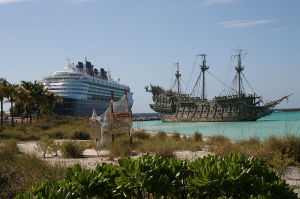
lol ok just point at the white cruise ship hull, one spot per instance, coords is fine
(83, 89)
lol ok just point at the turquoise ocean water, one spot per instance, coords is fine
(278, 124)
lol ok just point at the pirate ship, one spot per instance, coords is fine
(175, 106)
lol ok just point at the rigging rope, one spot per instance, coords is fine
(221, 82)
(227, 77)
(251, 87)
(197, 82)
(193, 68)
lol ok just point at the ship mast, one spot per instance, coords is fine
(177, 75)
(239, 70)
(203, 68)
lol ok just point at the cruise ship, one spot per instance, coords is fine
(83, 87)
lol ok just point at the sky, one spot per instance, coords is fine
(140, 40)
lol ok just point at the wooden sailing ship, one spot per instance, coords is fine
(174, 106)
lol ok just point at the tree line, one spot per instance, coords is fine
(26, 99)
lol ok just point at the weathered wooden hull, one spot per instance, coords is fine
(180, 109)
(214, 114)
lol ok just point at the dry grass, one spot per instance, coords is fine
(72, 149)
(160, 144)
(280, 152)
(289, 144)
(121, 147)
(57, 127)
(140, 135)
(176, 135)
(198, 137)
(16, 170)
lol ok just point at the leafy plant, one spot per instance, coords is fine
(280, 162)
(44, 145)
(236, 176)
(55, 147)
(233, 176)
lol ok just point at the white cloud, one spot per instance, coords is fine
(210, 2)
(11, 1)
(244, 23)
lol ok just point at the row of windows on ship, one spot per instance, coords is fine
(90, 89)
(107, 91)
(101, 98)
(97, 87)
(97, 82)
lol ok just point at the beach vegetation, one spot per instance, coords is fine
(140, 135)
(56, 127)
(80, 135)
(160, 144)
(121, 147)
(289, 144)
(198, 136)
(176, 135)
(232, 176)
(19, 172)
(72, 149)
(217, 140)
(9, 147)
(44, 145)
(161, 135)
(281, 152)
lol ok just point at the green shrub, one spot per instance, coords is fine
(44, 145)
(80, 135)
(280, 162)
(72, 149)
(198, 137)
(54, 148)
(233, 176)
(236, 176)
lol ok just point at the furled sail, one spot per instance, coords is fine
(119, 106)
